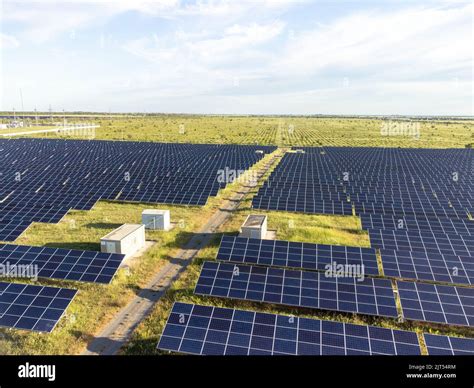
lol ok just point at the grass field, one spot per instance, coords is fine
(95, 305)
(285, 131)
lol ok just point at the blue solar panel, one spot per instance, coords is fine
(303, 206)
(205, 330)
(441, 345)
(297, 288)
(10, 230)
(428, 266)
(56, 263)
(460, 245)
(294, 254)
(437, 303)
(418, 223)
(30, 307)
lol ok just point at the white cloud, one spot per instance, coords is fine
(44, 20)
(418, 37)
(8, 41)
(237, 56)
(236, 42)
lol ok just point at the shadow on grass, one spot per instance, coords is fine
(84, 246)
(142, 347)
(82, 335)
(191, 240)
(103, 225)
(98, 344)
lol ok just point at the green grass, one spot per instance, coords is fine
(282, 131)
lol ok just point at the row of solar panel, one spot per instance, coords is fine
(339, 192)
(373, 296)
(206, 330)
(418, 223)
(56, 263)
(306, 206)
(309, 204)
(422, 241)
(417, 265)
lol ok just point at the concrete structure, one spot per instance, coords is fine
(255, 226)
(127, 240)
(156, 219)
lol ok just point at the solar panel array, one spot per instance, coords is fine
(441, 345)
(30, 307)
(57, 263)
(437, 303)
(204, 330)
(297, 288)
(41, 180)
(331, 180)
(294, 254)
(415, 204)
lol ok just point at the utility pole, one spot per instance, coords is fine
(21, 98)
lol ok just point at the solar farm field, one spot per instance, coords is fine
(186, 181)
(334, 193)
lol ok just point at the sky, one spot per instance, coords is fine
(238, 57)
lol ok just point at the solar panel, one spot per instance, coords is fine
(10, 230)
(56, 263)
(437, 303)
(205, 330)
(307, 205)
(30, 307)
(297, 288)
(440, 345)
(294, 254)
(428, 266)
(417, 223)
(422, 242)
